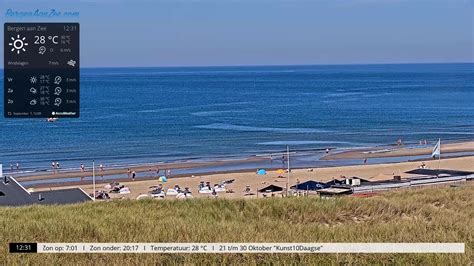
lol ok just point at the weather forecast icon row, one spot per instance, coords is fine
(45, 79)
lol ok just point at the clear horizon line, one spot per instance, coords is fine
(280, 65)
(276, 65)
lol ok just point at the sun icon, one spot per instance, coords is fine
(18, 44)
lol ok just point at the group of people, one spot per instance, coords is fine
(15, 166)
(158, 190)
(131, 174)
(179, 190)
(55, 166)
(207, 184)
(101, 169)
(206, 187)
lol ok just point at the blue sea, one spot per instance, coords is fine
(145, 115)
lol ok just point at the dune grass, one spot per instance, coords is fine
(421, 215)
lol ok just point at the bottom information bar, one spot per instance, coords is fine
(250, 247)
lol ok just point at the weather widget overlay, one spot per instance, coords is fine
(41, 70)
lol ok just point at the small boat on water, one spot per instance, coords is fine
(52, 119)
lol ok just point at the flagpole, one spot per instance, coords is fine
(93, 178)
(439, 157)
(288, 180)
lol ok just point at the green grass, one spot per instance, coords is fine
(422, 215)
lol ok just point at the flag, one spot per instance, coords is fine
(437, 150)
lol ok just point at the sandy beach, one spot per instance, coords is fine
(375, 172)
(395, 151)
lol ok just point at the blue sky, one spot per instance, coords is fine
(265, 32)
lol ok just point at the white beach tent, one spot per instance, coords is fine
(220, 188)
(157, 195)
(171, 192)
(184, 196)
(124, 190)
(143, 196)
(205, 190)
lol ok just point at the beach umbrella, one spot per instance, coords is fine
(162, 179)
(280, 171)
(261, 172)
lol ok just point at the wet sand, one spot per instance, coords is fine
(395, 151)
(149, 169)
(374, 172)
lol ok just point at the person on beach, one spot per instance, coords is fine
(17, 166)
(186, 191)
(53, 166)
(129, 173)
(11, 167)
(399, 142)
(83, 169)
(327, 150)
(101, 170)
(133, 175)
(423, 165)
(247, 190)
(365, 161)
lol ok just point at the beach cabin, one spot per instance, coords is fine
(353, 182)
(310, 186)
(335, 182)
